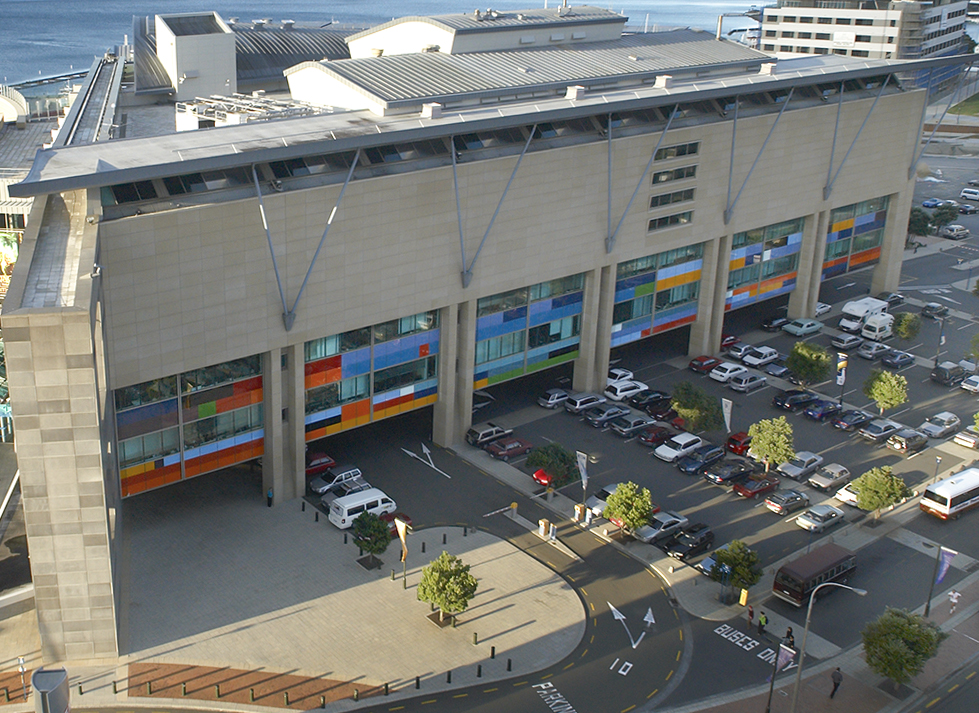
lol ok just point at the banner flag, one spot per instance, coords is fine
(945, 558)
(583, 468)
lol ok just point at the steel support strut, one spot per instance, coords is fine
(610, 240)
(832, 148)
(938, 123)
(828, 189)
(268, 237)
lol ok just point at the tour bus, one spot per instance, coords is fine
(796, 580)
(952, 496)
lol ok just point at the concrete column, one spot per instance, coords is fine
(802, 301)
(705, 332)
(887, 273)
(273, 460)
(591, 366)
(445, 416)
(293, 378)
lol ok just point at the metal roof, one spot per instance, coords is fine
(193, 24)
(148, 72)
(267, 53)
(492, 20)
(426, 76)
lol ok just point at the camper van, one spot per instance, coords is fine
(855, 313)
(878, 327)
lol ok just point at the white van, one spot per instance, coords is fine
(971, 194)
(878, 327)
(343, 511)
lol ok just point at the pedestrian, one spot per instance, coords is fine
(916, 247)
(762, 622)
(837, 680)
(953, 598)
(789, 639)
(751, 616)
(269, 496)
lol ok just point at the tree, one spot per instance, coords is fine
(898, 643)
(944, 215)
(886, 389)
(771, 441)
(742, 563)
(447, 584)
(975, 420)
(699, 410)
(879, 488)
(556, 460)
(919, 222)
(907, 325)
(630, 505)
(810, 362)
(371, 534)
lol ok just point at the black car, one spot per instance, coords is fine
(729, 471)
(785, 501)
(851, 420)
(692, 541)
(794, 400)
(893, 299)
(897, 359)
(934, 310)
(700, 459)
(774, 324)
(649, 397)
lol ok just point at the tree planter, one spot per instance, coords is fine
(440, 622)
(370, 562)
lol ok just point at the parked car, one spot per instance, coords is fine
(934, 310)
(879, 430)
(872, 350)
(746, 383)
(756, 485)
(968, 209)
(723, 372)
(631, 424)
(822, 409)
(510, 447)
(581, 400)
(701, 458)
(819, 518)
(907, 441)
(971, 384)
(822, 308)
(552, 398)
(654, 436)
(893, 299)
(690, 542)
(597, 502)
(941, 424)
(846, 341)
(932, 203)
(802, 327)
(830, 477)
(779, 369)
(390, 517)
(661, 525)
(482, 434)
(739, 350)
(317, 463)
(662, 411)
(648, 397)
(622, 390)
(774, 323)
(968, 437)
(548, 480)
(786, 501)
(729, 471)
(680, 445)
(896, 359)
(852, 420)
(703, 364)
(601, 414)
(340, 480)
(848, 494)
(793, 400)
(798, 468)
(728, 341)
(618, 374)
(948, 373)
(759, 357)
(955, 232)
(738, 443)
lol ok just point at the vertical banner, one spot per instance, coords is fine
(841, 361)
(583, 469)
(402, 532)
(944, 562)
(726, 405)
(785, 657)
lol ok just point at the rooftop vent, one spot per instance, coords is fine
(575, 92)
(232, 20)
(377, 51)
(432, 110)
(288, 24)
(664, 81)
(259, 24)
(767, 68)
(431, 48)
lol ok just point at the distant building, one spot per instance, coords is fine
(870, 29)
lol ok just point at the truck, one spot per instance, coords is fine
(855, 313)
(878, 327)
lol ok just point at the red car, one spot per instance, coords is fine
(542, 477)
(507, 448)
(389, 517)
(728, 341)
(703, 364)
(756, 485)
(656, 436)
(739, 443)
(317, 463)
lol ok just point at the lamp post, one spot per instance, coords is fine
(941, 340)
(805, 634)
(938, 462)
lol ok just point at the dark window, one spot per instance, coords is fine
(843, 21)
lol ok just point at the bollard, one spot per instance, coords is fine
(454, 621)
(251, 695)
(217, 690)
(317, 516)
(285, 697)
(183, 689)
(448, 676)
(304, 506)
(464, 528)
(475, 639)
(423, 548)
(360, 550)
(443, 538)
(392, 575)
(356, 695)
(418, 682)
(479, 670)
(115, 687)
(509, 664)
(80, 691)
(149, 688)
(322, 701)
(385, 688)
(404, 583)
(345, 538)
(6, 695)
(492, 652)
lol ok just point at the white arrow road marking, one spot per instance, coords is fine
(649, 618)
(425, 462)
(619, 616)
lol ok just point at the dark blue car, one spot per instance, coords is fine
(821, 410)
(851, 420)
(897, 359)
(701, 458)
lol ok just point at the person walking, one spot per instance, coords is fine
(837, 680)
(789, 638)
(953, 599)
(762, 622)
(751, 616)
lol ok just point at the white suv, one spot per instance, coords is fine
(680, 445)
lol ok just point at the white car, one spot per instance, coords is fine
(872, 350)
(822, 308)
(746, 382)
(971, 384)
(738, 350)
(846, 341)
(617, 374)
(848, 494)
(829, 477)
(725, 370)
(819, 518)
(804, 463)
(759, 356)
(597, 502)
(802, 327)
(621, 390)
(661, 525)
(940, 425)
(680, 445)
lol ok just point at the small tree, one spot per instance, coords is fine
(907, 325)
(699, 410)
(371, 534)
(886, 389)
(919, 223)
(630, 505)
(555, 460)
(771, 441)
(975, 420)
(898, 643)
(742, 562)
(879, 488)
(810, 362)
(944, 215)
(447, 584)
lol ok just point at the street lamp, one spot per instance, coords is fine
(941, 341)
(805, 634)
(938, 462)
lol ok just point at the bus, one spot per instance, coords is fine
(952, 496)
(795, 581)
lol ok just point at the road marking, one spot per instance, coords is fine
(668, 676)
(583, 653)
(397, 708)
(655, 691)
(584, 591)
(568, 666)
(678, 655)
(970, 675)
(933, 702)
(434, 700)
(953, 687)
(681, 634)
(521, 683)
(592, 605)
(461, 695)
(626, 710)
(490, 690)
